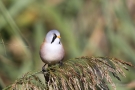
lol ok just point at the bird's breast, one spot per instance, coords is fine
(51, 53)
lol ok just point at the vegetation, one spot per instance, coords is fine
(82, 73)
(87, 27)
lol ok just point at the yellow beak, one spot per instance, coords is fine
(58, 37)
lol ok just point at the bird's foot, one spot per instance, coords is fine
(60, 63)
(43, 68)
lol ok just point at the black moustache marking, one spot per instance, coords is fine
(54, 37)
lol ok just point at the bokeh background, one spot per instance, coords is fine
(87, 27)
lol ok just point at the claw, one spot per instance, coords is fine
(43, 68)
(60, 63)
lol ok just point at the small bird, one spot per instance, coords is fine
(52, 51)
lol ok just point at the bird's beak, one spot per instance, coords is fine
(58, 37)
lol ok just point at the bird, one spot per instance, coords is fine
(52, 50)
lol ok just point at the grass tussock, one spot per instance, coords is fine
(83, 73)
(28, 81)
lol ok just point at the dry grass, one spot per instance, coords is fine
(83, 73)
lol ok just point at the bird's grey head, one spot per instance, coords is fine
(53, 37)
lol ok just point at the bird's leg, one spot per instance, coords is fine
(43, 68)
(60, 63)
(46, 75)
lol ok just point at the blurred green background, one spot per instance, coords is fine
(87, 27)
